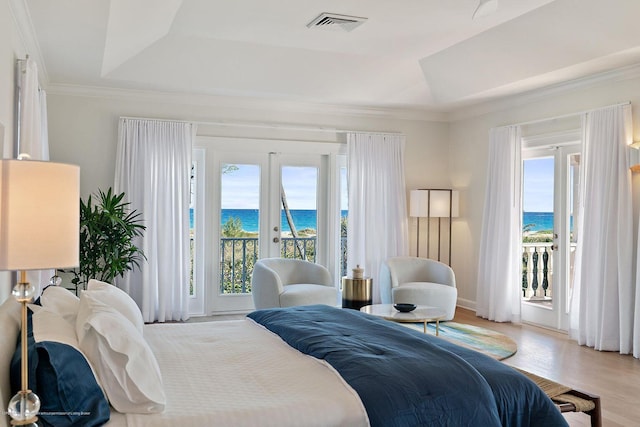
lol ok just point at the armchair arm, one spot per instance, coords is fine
(385, 284)
(266, 286)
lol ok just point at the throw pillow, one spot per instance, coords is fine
(60, 375)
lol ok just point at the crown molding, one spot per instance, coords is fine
(242, 102)
(27, 34)
(534, 95)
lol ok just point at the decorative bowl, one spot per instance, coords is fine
(404, 308)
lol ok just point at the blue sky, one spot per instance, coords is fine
(538, 185)
(241, 187)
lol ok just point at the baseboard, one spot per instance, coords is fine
(465, 303)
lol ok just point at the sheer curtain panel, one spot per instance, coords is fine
(499, 259)
(33, 139)
(153, 167)
(377, 222)
(602, 305)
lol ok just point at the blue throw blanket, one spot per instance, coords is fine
(406, 378)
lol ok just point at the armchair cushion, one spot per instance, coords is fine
(308, 294)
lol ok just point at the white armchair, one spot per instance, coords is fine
(419, 281)
(281, 282)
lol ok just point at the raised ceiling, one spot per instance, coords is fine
(416, 54)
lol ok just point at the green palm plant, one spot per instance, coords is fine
(107, 232)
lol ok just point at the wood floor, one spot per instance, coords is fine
(612, 376)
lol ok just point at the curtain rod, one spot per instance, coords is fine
(564, 116)
(265, 126)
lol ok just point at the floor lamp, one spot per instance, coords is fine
(443, 204)
(434, 203)
(39, 229)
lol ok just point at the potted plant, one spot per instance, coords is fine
(107, 232)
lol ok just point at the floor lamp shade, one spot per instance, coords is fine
(434, 203)
(441, 201)
(39, 215)
(419, 203)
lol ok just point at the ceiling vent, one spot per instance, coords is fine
(333, 21)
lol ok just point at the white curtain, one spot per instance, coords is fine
(602, 303)
(377, 222)
(33, 140)
(153, 167)
(498, 292)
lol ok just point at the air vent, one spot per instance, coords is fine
(333, 21)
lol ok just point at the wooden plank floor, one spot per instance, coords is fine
(612, 376)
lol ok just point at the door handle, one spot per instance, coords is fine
(276, 240)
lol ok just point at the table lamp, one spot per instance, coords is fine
(39, 229)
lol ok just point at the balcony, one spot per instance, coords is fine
(537, 272)
(239, 254)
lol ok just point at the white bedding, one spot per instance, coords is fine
(236, 373)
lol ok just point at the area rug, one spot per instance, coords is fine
(491, 343)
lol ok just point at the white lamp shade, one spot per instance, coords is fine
(433, 203)
(418, 203)
(39, 215)
(440, 204)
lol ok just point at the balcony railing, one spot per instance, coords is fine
(537, 271)
(238, 255)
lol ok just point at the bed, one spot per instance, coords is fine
(311, 366)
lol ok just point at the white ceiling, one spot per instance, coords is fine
(417, 54)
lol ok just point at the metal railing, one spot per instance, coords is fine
(238, 255)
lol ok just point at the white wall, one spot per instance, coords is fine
(469, 138)
(83, 130)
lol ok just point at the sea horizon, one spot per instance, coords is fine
(539, 221)
(302, 218)
(307, 219)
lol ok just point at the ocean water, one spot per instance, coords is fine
(540, 220)
(302, 218)
(307, 219)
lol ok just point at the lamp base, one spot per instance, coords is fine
(28, 423)
(23, 407)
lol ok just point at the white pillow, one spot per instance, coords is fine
(118, 299)
(51, 326)
(62, 301)
(124, 363)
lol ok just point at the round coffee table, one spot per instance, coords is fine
(422, 314)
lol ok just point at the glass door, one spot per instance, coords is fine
(549, 194)
(262, 204)
(241, 210)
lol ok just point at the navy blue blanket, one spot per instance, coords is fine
(407, 378)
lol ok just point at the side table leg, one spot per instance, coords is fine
(437, 327)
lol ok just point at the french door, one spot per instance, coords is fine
(263, 199)
(549, 199)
